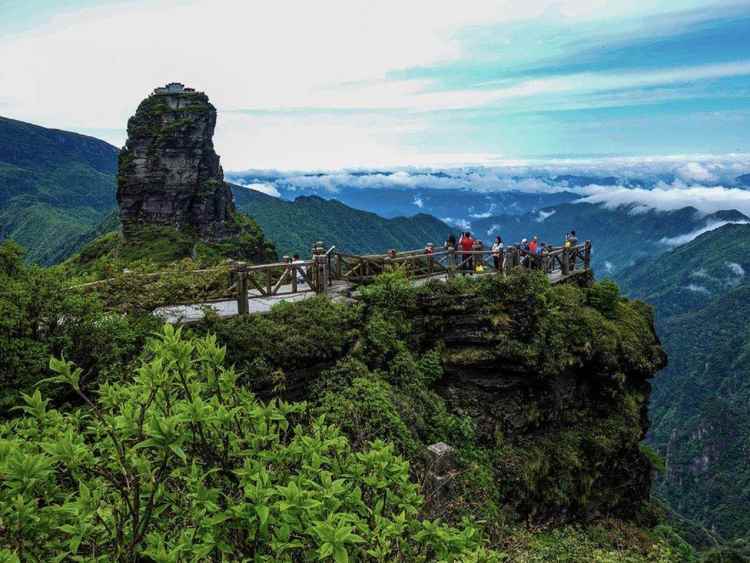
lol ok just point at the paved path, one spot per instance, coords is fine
(259, 304)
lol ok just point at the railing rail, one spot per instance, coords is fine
(292, 277)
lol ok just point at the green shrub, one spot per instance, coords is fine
(604, 297)
(182, 464)
(39, 317)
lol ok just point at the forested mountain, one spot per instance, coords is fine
(54, 186)
(701, 401)
(294, 226)
(446, 194)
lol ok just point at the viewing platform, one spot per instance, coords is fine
(257, 288)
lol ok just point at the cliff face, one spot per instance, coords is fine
(558, 394)
(169, 174)
(542, 391)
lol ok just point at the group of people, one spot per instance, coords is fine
(528, 250)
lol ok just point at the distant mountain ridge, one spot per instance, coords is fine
(54, 186)
(701, 402)
(294, 226)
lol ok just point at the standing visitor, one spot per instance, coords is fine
(497, 253)
(450, 242)
(467, 245)
(523, 252)
(570, 244)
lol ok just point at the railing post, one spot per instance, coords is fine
(451, 262)
(429, 249)
(317, 250)
(565, 262)
(587, 255)
(339, 267)
(243, 307)
(292, 269)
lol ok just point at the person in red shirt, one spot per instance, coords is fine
(533, 246)
(467, 245)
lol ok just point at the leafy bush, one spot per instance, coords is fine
(183, 464)
(604, 297)
(39, 318)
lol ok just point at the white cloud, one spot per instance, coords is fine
(462, 224)
(544, 215)
(493, 230)
(268, 189)
(669, 198)
(697, 289)
(687, 237)
(696, 172)
(608, 266)
(418, 202)
(296, 66)
(736, 269)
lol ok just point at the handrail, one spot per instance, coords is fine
(318, 274)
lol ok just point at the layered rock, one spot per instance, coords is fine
(556, 391)
(169, 173)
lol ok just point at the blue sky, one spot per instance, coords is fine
(339, 83)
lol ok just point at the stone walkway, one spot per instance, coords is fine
(259, 304)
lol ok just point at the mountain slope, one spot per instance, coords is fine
(701, 401)
(295, 226)
(54, 186)
(686, 278)
(622, 236)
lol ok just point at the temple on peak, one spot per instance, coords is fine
(174, 88)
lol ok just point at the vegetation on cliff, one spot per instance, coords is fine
(539, 389)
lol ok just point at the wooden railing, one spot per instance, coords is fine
(450, 262)
(326, 267)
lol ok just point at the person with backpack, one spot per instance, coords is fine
(450, 242)
(497, 253)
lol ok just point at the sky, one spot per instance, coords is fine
(356, 83)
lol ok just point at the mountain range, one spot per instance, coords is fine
(54, 187)
(701, 403)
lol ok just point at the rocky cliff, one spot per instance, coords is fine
(169, 174)
(542, 391)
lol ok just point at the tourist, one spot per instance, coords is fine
(467, 245)
(533, 246)
(497, 252)
(523, 252)
(571, 241)
(450, 242)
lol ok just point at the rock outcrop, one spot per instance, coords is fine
(169, 174)
(542, 391)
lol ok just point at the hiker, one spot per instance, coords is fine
(497, 253)
(467, 245)
(450, 242)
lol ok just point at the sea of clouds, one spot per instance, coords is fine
(707, 182)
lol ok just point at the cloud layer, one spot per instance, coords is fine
(358, 83)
